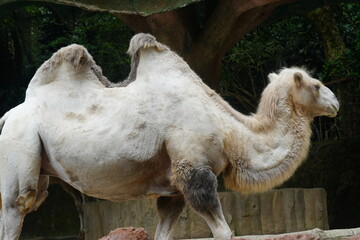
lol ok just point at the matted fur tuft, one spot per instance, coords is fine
(78, 57)
(75, 54)
(142, 41)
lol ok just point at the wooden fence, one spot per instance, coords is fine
(273, 212)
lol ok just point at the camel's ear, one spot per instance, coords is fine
(272, 77)
(298, 79)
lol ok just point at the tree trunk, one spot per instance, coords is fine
(6, 60)
(323, 21)
(22, 42)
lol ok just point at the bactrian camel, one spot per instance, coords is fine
(165, 135)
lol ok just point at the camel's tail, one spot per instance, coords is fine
(2, 123)
(3, 120)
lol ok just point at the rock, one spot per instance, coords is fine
(129, 233)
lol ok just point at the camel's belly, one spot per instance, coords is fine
(117, 179)
(112, 162)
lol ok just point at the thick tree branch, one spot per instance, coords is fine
(136, 22)
(169, 28)
(323, 21)
(229, 22)
(253, 18)
(225, 19)
(139, 7)
(244, 5)
(217, 28)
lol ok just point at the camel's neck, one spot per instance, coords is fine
(263, 158)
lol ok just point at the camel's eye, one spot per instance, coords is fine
(317, 87)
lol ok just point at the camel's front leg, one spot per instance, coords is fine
(13, 211)
(20, 169)
(199, 186)
(169, 210)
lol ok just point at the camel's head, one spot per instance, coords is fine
(308, 93)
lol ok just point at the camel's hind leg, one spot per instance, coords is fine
(199, 186)
(169, 210)
(20, 169)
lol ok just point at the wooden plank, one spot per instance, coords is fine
(278, 212)
(324, 209)
(182, 229)
(321, 218)
(198, 226)
(242, 211)
(309, 201)
(299, 209)
(289, 209)
(227, 200)
(254, 206)
(281, 210)
(267, 216)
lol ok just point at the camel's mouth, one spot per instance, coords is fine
(332, 115)
(333, 110)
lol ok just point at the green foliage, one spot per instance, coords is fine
(107, 39)
(289, 42)
(53, 27)
(346, 65)
(102, 34)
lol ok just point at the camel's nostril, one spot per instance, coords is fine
(335, 107)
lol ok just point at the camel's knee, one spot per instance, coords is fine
(200, 189)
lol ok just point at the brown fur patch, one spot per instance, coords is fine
(72, 176)
(73, 95)
(76, 116)
(93, 109)
(141, 126)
